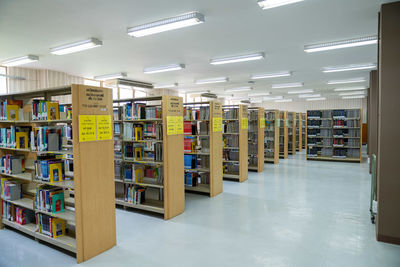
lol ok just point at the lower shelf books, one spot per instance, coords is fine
(190, 161)
(24, 216)
(135, 194)
(50, 168)
(193, 179)
(10, 190)
(49, 199)
(50, 226)
(12, 164)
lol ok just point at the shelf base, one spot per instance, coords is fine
(335, 159)
(149, 205)
(202, 188)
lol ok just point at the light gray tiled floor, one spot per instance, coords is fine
(296, 213)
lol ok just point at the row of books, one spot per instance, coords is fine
(333, 152)
(50, 169)
(230, 155)
(231, 114)
(49, 199)
(190, 161)
(10, 190)
(230, 168)
(137, 132)
(135, 194)
(270, 116)
(137, 152)
(47, 138)
(193, 179)
(12, 164)
(12, 110)
(50, 226)
(24, 216)
(231, 127)
(48, 110)
(189, 144)
(231, 140)
(139, 111)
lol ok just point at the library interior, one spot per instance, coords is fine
(199, 133)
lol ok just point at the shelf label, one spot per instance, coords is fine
(179, 124)
(103, 126)
(245, 123)
(217, 124)
(262, 123)
(171, 125)
(87, 128)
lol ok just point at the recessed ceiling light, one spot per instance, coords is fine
(268, 98)
(341, 44)
(235, 59)
(316, 99)
(354, 80)
(76, 46)
(239, 89)
(266, 4)
(349, 68)
(283, 100)
(309, 95)
(19, 61)
(259, 94)
(181, 21)
(212, 80)
(287, 85)
(353, 97)
(353, 93)
(171, 67)
(110, 76)
(271, 75)
(305, 91)
(164, 86)
(350, 89)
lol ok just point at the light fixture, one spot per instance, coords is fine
(353, 97)
(350, 89)
(241, 58)
(271, 75)
(305, 91)
(177, 22)
(256, 101)
(76, 46)
(309, 95)
(268, 98)
(239, 89)
(259, 94)
(354, 80)
(287, 85)
(369, 40)
(212, 80)
(266, 4)
(110, 76)
(349, 67)
(316, 99)
(352, 93)
(19, 61)
(171, 67)
(283, 100)
(164, 86)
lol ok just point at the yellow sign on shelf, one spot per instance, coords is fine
(217, 124)
(245, 123)
(103, 126)
(262, 123)
(87, 128)
(179, 124)
(171, 125)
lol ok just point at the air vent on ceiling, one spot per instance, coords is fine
(128, 82)
(209, 95)
(245, 101)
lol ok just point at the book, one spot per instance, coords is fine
(22, 139)
(53, 112)
(58, 227)
(12, 112)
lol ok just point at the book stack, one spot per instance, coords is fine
(50, 226)
(49, 199)
(24, 216)
(45, 110)
(12, 164)
(46, 138)
(50, 169)
(135, 194)
(10, 190)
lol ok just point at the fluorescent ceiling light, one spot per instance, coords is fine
(353, 97)
(212, 80)
(271, 75)
(354, 80)
(287, 85)
(110, 76)
(305, 91)
(369, 40)
(267, 98)
(171, 67)
(283, 100)
(19, 61)
(76, 46)
(256, 101)
(242, 58)
(266, 4)
(239, 89)
(350, 89)
(259, 94)
(309, 95)
(316, 99)
(164, 86)
(349, 68)
(353, 93)
(177, 22)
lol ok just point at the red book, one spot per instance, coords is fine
(187, 127)
(187, 145)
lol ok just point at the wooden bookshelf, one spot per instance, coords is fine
(299, 132)
(205, 119)
(162, 178)
(271, 136)
(291, 120)
(283, 134)
(90, 214)
(303, 131)
(256, 139)
(334, 135)
(235, 130)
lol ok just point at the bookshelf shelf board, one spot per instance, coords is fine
(144, 120)
(148, 205)
(51, 121)
(28, 229)
(198, 170)
(119, 181)
(26, 176)
(152, 162)
(14, 122)
(155, 185)
(333, 159)
(195, 135)
(196, 120)
(118, 121)
(230, 119)
(253, 168)
(142, 141)
(70, 201)
(62, 152)
(269, 160)
(197, 153)
(68, 215)
(202, 188)
(65, 242)
(233, 148)
(230, 133)
(69, 174)
(230, 161)
(63, 184)
(23, 202)
(16, 149)
(231, 176)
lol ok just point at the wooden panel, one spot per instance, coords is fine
(243, 145)
(93, 177)
(215, 151)
(174, 183)
(373, 115)
(276, 150)
(300, 128)
(284, 115)
(260, 141)
(364, 133)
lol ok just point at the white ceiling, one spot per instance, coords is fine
(232, 27)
